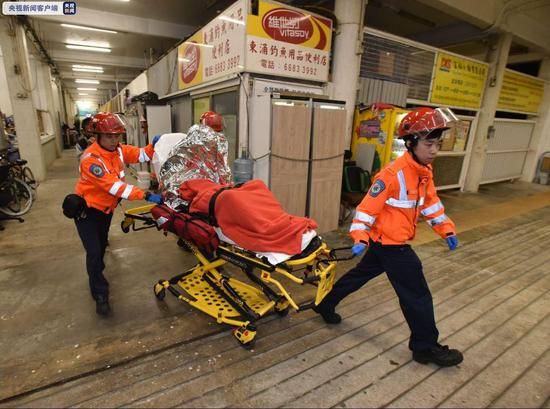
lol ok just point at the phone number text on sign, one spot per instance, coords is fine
(222, 66)
(300, 69)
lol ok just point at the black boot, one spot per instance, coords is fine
(102, 306)
(328, 314)
(440, 355)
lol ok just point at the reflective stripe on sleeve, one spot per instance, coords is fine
(103, 163)
(364, 217)
(127, 192)
(359, 226)
(432, 209)
(115, 187)
(437, 220)
(403, 204)
(143, 156)
(120, 154)
(121, 174)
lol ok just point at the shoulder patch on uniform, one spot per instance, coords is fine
(96, 170)
(377, 188)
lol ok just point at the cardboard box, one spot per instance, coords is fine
(448, 140)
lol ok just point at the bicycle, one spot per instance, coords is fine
(22, 172)
(16, 197)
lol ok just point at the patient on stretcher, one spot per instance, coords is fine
(247, 215)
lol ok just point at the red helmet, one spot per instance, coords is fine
(213, 120)
(106, 122)
(420, 122)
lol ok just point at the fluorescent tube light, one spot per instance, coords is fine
(80, 81)
(87, 70)
(88, 48)
(87, 89)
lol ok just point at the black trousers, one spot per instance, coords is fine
(404, 270)
(94, 232)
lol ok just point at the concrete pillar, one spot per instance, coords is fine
(497, 56)
(347, 49)
(16, 60)
(540, 140)
(46, 72)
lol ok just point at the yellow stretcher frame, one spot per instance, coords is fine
(207, 288)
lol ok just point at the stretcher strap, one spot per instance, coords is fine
(212, 204)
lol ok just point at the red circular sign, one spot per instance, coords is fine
(190, 63)
(288, 25)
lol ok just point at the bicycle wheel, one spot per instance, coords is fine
(30, 180)
(23, 199)
(12, 207)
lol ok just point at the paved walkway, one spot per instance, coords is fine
(491, 297)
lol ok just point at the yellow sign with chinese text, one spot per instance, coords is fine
(458, 81)
(287, 41)
(216, 50)
(520, 93)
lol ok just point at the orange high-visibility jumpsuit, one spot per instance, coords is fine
(386, 219)
(102, 185)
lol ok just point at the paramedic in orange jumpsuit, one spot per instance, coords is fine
(102, 185)
(386, 219)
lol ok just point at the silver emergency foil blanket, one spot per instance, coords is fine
(201, 154)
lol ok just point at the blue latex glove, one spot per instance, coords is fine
(358, 249)
(155, 140)
(452, 242)
(153, 198)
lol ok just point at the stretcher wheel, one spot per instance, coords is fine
(160, 291)
(245, 335)
(124, 227)
(282, 308)
(183, 245)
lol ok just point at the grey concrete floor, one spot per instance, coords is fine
(491, 299)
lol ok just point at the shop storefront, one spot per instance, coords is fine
(409, 74)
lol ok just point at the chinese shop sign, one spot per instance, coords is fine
(458, 81)
(288, 42)
(216, 50)
(520, 93)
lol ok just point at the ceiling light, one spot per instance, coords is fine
(90, 67)
(87, 70)
(87, 89)
(100, 44)
(88, 48)
(80, 81)
(88, 28)
(82, 93)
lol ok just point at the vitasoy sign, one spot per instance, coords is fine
(288, 42)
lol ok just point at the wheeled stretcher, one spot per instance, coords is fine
(209, 287)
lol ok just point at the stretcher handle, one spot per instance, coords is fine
(333, 254)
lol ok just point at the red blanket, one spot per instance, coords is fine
(250, 215)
